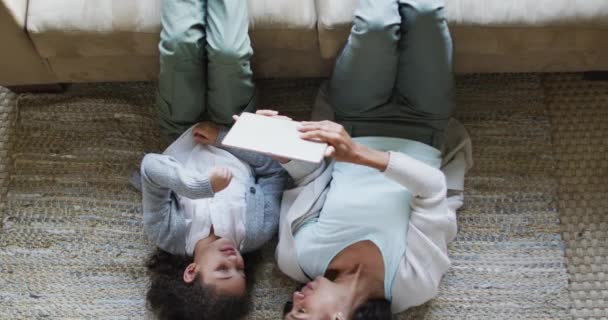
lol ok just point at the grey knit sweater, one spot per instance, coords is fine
(164, 221)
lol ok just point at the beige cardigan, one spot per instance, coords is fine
(431, 227)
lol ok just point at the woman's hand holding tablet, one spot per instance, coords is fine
(274, 135)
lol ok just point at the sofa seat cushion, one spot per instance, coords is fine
(266, 64)
(529, 13)
(520, 35)
(103, 28)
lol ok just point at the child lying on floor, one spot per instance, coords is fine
(203, 206)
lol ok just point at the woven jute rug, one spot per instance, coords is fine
(508, 256)
(72, 242)
(579, 117)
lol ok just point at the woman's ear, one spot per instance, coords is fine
(190, 273)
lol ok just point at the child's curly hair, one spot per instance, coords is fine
(169, 297)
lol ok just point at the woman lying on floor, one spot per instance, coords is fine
(204, 205)
(371, 228)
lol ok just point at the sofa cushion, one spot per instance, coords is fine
(97, 28)
(521, 13)
(529, 13)
(17, 10)
(519, 35)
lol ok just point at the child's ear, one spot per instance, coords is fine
(190, 273)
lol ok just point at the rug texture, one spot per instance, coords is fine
(508, 255)
(579, 117)
(72, 242)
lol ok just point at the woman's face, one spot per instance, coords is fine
(320, 299)
(221, 265)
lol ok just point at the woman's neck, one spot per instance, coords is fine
(360, 267)
(363, 284)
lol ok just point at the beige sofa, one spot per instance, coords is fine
(54, 41)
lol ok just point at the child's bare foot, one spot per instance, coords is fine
(219, 178)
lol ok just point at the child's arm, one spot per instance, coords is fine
(162, 177)
(166, 173)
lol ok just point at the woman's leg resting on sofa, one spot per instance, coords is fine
(425, 84)
(365, 71)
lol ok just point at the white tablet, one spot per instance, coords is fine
(277, 137)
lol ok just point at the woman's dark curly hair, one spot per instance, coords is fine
(376, 309)
(169, 297)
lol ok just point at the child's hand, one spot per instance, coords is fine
(220, 178)
(206, 132)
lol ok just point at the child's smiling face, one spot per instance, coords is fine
(220, 265)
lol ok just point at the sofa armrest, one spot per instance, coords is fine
(19, 61)
(16, 9)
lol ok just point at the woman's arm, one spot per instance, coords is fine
(421, 179)
(341, 146)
